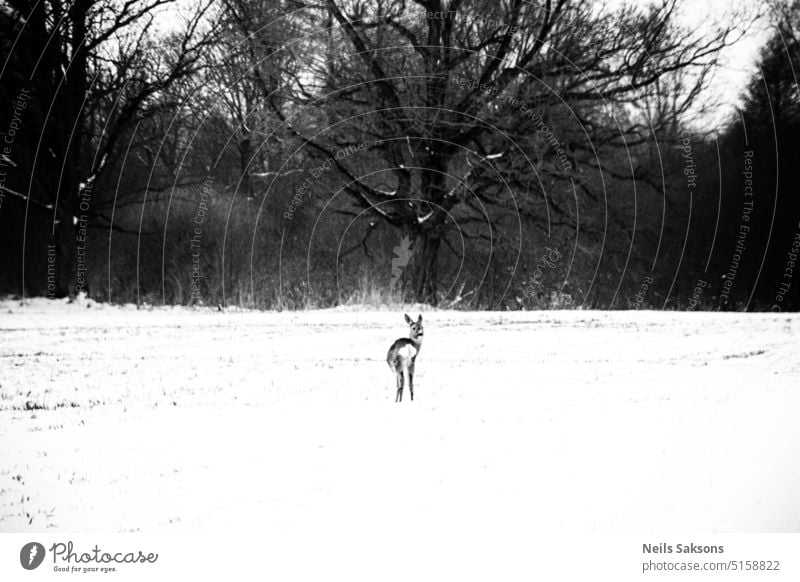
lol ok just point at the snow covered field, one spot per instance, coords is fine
(113, 419)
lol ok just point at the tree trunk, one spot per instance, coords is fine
(245, 153)
(423, 273)
(71, 143)
(428, 233)
(65, 255)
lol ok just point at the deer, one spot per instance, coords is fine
(403, 354)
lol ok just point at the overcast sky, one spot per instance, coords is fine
(739, 62)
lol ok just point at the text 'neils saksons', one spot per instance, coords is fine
(663, 548)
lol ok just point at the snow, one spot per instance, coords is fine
(177, 419)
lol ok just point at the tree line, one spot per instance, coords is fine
(462, 153)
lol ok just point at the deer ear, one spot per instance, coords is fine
(408, 320)
(420, 319)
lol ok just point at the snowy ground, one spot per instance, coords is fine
(113, 419)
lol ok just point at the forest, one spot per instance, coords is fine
(465, 154)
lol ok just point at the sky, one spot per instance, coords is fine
(738, 63)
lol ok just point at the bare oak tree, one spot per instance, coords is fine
(469, 105)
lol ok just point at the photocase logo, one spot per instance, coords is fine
(400, 261)
(32, 555)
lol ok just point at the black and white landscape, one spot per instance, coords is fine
(214, 217)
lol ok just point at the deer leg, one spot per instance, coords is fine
(399, 397)
(411, 380)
